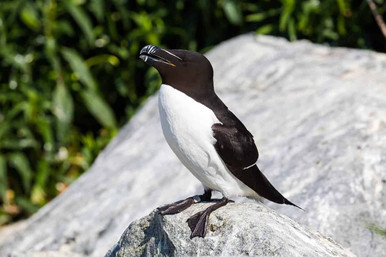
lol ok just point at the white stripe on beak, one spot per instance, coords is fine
(171, 54)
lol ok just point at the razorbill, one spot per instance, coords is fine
(207, 138)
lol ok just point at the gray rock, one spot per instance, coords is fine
(318, 115)
(9, 230)
(242, 229)
(47, 254)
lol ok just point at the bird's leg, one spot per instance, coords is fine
(178, 207)
(199, 221)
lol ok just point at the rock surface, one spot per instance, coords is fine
(242, 229)
(318, 115)
(47, 254)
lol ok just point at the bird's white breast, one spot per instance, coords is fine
(187, 127)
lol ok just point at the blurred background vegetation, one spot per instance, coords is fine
(70, 75)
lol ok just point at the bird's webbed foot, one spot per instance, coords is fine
(180, 206)
(198, 222)
(177, 207)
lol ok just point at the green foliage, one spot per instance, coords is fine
(376, 229)
(70, 75)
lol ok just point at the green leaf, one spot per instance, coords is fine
(292, 30)
(43, 170)
(257, 17)
(63, 106)
(3, 177)
(341, 25)
(82, 19)
(101, 59)
(30, 17)
(46, 132)
(98, 6)
(79, 67)
(21, 163)
(233, 11)
(26, 204)
(99, 108)
(18, 144)
(38, 195)
(309, 9)
(266, 29)
(288, 8)
(64, 27)
(51, 50)
(342, 6)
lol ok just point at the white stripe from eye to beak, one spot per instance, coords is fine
(171, 54)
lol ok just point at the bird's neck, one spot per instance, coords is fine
(199, 91)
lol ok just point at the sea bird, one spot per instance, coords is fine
(211, 142)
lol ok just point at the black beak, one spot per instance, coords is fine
(153, 54)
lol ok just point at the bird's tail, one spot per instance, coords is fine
(256, 180)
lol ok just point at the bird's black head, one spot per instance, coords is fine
(187, 71)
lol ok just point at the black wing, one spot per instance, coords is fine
(236, 147)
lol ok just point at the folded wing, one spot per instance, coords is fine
(236, 147)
